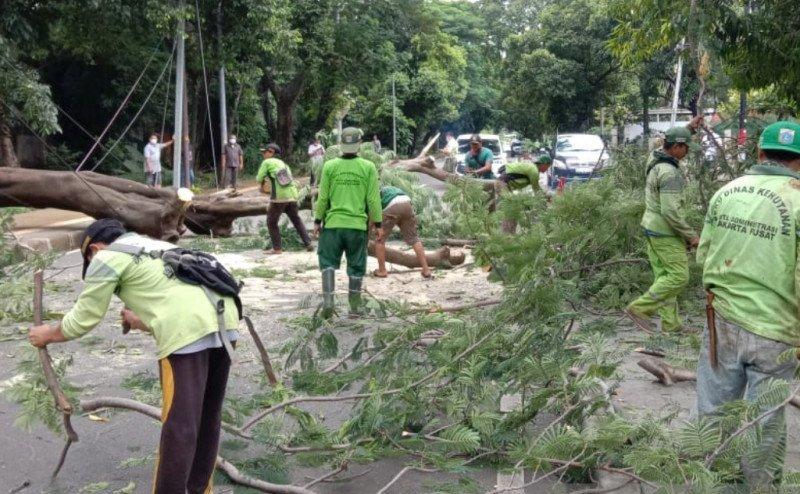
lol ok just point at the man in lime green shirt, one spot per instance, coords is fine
(347, 203)
(667, 232)
(517, 176)
(748, 250)
(283, 197)
(193, 364)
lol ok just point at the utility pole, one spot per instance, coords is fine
(186, 176)
(223, 105)
(177, 136)
(678, 75)
(394, 117)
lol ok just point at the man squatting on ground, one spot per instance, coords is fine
(517, 176)
(283, 197)
(748, 250)
(348, 201)
(152, 161)
(193, 364)
(667, 232)
(397, 210)
(232, 161)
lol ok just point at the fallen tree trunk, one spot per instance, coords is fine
(442, 257)
(668, 375)
(154, 212)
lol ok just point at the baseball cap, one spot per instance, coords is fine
(351, 140)
(781, 136)
(677, 135)
(544, 159)
(105, 230)
(475, 138)
(273, 147)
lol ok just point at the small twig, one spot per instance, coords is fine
(238, 477)
(647, 351)
(349, 478)
(262, 352)
(402, 472)
(327, 476)
(635, 260)
(455, 308)
(741, 430)
(22, 486)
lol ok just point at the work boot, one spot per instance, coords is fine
(354, 296)
(328, 287)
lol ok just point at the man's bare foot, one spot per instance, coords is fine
(273, 252)
(380, 274)
(427, 273)
(309, 248)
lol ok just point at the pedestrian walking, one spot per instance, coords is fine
(667, 232)
(376, 144)
(748, 250)
(232, 161)
(152, 161)
(398, 211)
(316, 153)
(348, 201)
(193, 361)
(283, 197)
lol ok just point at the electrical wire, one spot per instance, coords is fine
(205, 86)
(141, 109)
(121, 106)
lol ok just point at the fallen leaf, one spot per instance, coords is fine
(97, 418)
(128, 489)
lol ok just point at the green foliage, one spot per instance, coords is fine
(145, 387)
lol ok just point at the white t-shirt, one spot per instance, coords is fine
(451, 148)
(316, 150)
(152, 156)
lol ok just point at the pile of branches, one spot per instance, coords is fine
(427, 384)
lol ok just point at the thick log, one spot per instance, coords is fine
(442, 257)
(154, 212)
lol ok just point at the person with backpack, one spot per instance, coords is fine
(348, 201)
(283, 197)
(193, 338)
(397, 210)
(667, 232)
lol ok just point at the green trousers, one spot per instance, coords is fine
(333, 242)
(670, 265)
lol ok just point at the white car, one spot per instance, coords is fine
(578, 157)
(491, 142)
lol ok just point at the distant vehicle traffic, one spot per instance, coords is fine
(660, 119)
(577, 157)
(489, 141)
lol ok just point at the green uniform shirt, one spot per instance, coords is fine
(177, 313)
(348, 194)
(279, 193)
(522, 174)
(388, 193)
(476, 162)
(663, 199)
(749, 249)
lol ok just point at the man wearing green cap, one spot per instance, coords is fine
(348, 201)
(667, 232)
(748, 250)
(518, 176)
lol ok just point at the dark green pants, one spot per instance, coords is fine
(353, 243)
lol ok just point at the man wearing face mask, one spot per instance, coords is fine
(232, 161)
(152, 161)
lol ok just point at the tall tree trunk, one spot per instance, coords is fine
(7, 155)
(266, 107)
(286, 97)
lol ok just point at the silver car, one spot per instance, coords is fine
(578, 157)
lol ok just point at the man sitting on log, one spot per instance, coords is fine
(397, 210)
(748, 249)
(193, 362)
(348, 201)
(283, 197)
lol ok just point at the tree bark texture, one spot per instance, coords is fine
(442, 257)
(154, 212)
(286, 96)
(7, 155)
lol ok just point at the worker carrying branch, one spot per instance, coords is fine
(518, 176)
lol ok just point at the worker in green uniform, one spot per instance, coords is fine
(283, 197)
(348, 201)
(478, 159)
(748, 250)
(518, 176)
(193, 363)
(667, 232)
